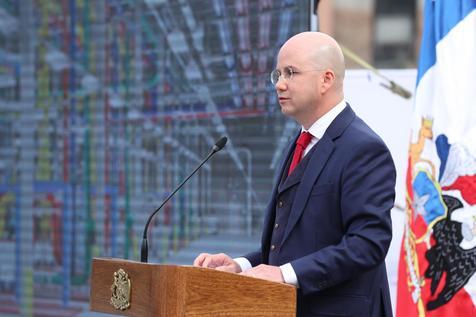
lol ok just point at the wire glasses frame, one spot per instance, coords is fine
(288, 73)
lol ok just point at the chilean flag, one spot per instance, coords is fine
(437, 269)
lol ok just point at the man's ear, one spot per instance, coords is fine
(328, 80)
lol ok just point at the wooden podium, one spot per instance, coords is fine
(170, 290)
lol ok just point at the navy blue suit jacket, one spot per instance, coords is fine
(339, 226)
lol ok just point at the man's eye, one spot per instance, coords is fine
(288, 72)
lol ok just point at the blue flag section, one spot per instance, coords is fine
(438, 255)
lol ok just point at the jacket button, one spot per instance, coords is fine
(280, 204)
(276, 225)
(273, 247)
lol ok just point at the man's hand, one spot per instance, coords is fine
(266, 272)
(220, 262)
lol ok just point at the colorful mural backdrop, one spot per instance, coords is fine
(105, 106)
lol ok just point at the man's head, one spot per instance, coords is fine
(312, 70)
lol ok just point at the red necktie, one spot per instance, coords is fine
(301, 144)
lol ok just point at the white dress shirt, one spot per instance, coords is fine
(317, 130)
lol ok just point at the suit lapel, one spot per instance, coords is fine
(324, 149)
(296, 176)
(289, 181)
(321, 155)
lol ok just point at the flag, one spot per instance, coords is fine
(436, 275)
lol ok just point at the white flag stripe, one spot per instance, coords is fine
(447, 91)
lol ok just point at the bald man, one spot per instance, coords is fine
(327, 227)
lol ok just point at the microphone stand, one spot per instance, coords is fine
(144, 252)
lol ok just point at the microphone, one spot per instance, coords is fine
(144, 251)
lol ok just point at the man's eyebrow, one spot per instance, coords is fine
(288, 66)
(294, 68)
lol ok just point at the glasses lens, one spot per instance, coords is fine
(288, 72)
(274, 76)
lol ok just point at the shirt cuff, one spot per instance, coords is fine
(243, 263)
(289, 275)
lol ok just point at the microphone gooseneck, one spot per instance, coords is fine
(220, 144)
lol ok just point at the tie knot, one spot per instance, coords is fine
(304, 139)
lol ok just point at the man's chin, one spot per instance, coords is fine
(286, 111)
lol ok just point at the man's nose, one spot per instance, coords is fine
(281, 84)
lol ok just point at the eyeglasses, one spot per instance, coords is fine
(288, 73)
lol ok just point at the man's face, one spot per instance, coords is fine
(298, 94)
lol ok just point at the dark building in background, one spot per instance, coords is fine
(384, 33)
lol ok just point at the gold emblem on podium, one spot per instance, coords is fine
(121, 290)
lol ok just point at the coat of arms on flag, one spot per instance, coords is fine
(438, 255)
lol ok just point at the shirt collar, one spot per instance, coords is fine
(319, 127)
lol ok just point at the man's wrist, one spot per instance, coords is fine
(243, 263)
(289, 275)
